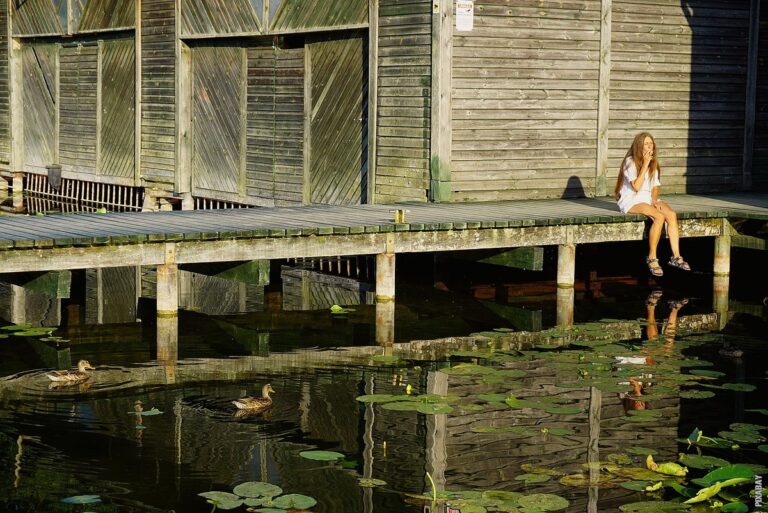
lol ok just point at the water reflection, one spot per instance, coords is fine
(158, 412)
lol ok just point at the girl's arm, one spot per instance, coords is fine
(637, 183)
(655, 194)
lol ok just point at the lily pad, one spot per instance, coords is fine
(432, 408)
(707, 373)
(737, 471)
(762, 411)
(702, 462)
(735, 507)
(653, 507)
(696, 394)
(381, 398)
(739, 387)
(148, 413)
(543, 501)
(17, 327)
(401, 406)
(223, 500)
(637, 486)
(294, 501)
(492, 398)
(270, 510)
(257, 489)
(468, 369)
(340, 310)
(532, 478)
(743, 426)
(321, 455)
(748, 437)
(367, 482)
(82, 499)
(763, 448)
(563, 410)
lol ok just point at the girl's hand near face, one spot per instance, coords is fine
(647, 157)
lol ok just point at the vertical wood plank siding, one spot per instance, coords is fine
(206, 17)
(760, 162)
(158, 93)
(218, 76)
(275, 158)
(5, 92)
(37, 17)
(681, 75)
(118, 130)
(525, 88)
(78, 106)
(339, 102)
(404, 88)
(39, 92)
(304, 14)
(104, 14)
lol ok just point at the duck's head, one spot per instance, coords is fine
(84, 365)
(266, 390)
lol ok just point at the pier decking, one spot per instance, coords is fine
(167, 239)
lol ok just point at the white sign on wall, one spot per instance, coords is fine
(465, 13)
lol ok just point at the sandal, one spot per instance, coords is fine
(653, 298)
(677, 303)
(656, 270)
(679, 263)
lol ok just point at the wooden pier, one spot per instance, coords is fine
(170, 239)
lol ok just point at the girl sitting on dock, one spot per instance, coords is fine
(637, 192)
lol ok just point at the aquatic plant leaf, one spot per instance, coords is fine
(381, 398)
(257, 489)
(743, 426)
(33, 332)
(321, 455)
(468, 507)
(749, 437)
(257, 501)
(433, 408)
(223, 500)
(271, 510)
(707, 373)
(696, 394)
(340, 310)
(468, 369)
(762, 411)
(763, 448)
(735, 507)
(702, 462)
(471, 407)
(670, 468)
(620, 458)
(739, 387)
(150, 413)
(596, 480)
(367, 482)
(563, 410)
(380, 358)
(82, 499)
(401, 406)
(705, 493)
(543, 501)
(532, 478)
(540, 470)
(682, 490)
(653, 507)
(738, 471)
(16, 327)
(492, 398)
(637, 486)
(294, 501)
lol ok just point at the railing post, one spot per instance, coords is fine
(722, 274)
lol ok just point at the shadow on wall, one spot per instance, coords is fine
(718, 80)
(574, 188)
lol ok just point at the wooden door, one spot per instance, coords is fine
(117, 130)
(338, 102)
(40, 92)
(218, 122)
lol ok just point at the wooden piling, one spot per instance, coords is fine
(167, 290)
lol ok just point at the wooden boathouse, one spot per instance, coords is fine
(184, 104)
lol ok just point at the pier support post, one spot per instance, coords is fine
(566, 277)
(385, 299)
(167, 290)
(722, 274)
(168, 346)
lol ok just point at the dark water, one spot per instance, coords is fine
(233, 338)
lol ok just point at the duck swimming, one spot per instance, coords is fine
(72, 377)
(256, 404)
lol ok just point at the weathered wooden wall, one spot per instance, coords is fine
(525, 84)
(338, 166)
(158, 93)
(403, 110)
(117, 118)
(5, 93)
(679, 71)
(201, 18)
(79, 105)
(760, 162)
(275, 132)
(39, 116)
(50, 17)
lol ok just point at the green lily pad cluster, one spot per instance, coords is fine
(428, 404)
(259, 497)
(25, 330)
(471, 501)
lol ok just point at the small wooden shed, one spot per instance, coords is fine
(286, 102)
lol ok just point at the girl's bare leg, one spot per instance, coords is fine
(672, 227)
(654, 234)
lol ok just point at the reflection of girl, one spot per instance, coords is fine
(637, 192)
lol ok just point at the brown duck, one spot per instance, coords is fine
(71, 377)
(256, 404)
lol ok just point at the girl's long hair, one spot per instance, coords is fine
(636, 152)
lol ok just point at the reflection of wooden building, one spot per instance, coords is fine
(278, 102)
